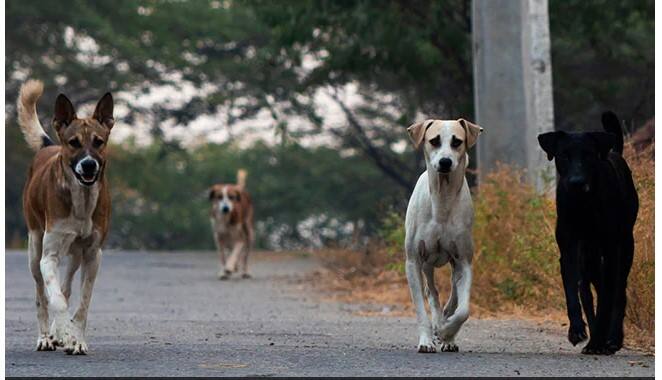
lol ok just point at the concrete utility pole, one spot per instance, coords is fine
(513, 84)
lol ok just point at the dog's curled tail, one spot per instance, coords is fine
(27, 115)
(612, 125)
(241, 178)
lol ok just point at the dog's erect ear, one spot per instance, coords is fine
(104, 111)
(604, 142)
(471, 130)
(64, 112)
(549, 142)
(610, 122)
(417, 132)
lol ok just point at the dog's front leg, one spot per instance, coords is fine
(231, 264)
(413, 269)
(45, 341)
(222, 274)
(91, 260)
(55, 246)
(570, 277)
(433, 298)
(461, 279)
(72, 267)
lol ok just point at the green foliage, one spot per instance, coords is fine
(392, 233)
(602, 58)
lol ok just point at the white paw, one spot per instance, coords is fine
(68, 335)
(46, 343)
(426, 345)
(449, 347)
(223, 275)
(78, 347)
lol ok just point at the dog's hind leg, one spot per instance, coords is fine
(244, 261)
(597, 344)
(624, 264)
(586, 297)
(91, 261)
(433, 298)
(589, 265)
(451, 304)
(250, 239)
(45, 342)
(72, 266)
(415, 281)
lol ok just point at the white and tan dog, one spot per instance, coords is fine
(232, 224)
(67, 211)
(438, 229)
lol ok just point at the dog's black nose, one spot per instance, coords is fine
(225, 209)
(89, 167)
(445, 165)
(578, 183)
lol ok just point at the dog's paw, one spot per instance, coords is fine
(246, 275)
(46, 343)
(223, 275)
(426, 345)
(577, 334)
(427, 348)
(68, 335)
(614, 346)
(449, 347)
(591, 349)
(77, 347)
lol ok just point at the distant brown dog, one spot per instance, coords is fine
(232, 224)
(67, 209)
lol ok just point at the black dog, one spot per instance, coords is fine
(596, 205)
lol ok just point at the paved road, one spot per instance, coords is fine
(164, 314)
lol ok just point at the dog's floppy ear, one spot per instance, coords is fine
(103, 112)
(471, 130)
(549, 142)
(211, 193)
(417, 132)
(64, 112)
(604, 142)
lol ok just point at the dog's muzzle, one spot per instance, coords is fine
(578, 184)
(225, 209)
(445, 165)
(87, 170)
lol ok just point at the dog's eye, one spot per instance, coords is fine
(74, 143)
(455, 142)
(97, 143)
(435, 142)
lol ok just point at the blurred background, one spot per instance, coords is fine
(312, 98)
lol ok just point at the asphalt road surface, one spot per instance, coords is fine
(165, 314)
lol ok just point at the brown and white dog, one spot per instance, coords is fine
(67, 210)
(232, 224)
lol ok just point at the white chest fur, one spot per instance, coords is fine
(83, 204)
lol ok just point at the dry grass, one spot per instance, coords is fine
(516, 266)
(640, 314)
